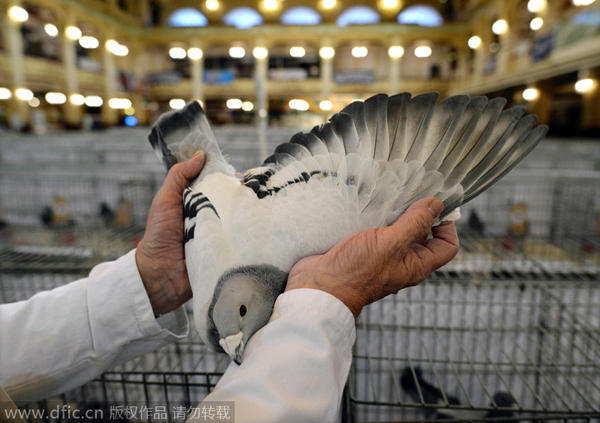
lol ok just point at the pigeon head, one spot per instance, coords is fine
(242, 304)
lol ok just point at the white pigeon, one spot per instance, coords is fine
(361, 170)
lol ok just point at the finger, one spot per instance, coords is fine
(179, 176)
(444, 244)
(414, 225)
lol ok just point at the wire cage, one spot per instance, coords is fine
(508, 331)
(477, 350)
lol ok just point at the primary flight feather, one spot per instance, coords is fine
(361, 170)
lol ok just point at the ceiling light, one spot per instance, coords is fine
(474, 42)
(73, 32)
(234, 103)
(260, 52)
(18, 14)
(326, 105)
(212, 4)
(121, 50)
(177, 103)
(93, 101)
(237, 52)
(88, 42)
(360, 51)
(195, 53)
(297, 52)
(299, 104)
(5, 93)
(119, 103)
(112, 45)
(247, 106)
(536, 23)
(396, 52)
(177, 53)
(584, 85)
(535, 5)
(326, 52)
(390, 4)
(328, 4)
(582, 2)
(34, 102)
(423, 51)
(51, 30)
(56, 98)
(24, 94)
(530, 94)
(270, 4)
(499, 27)
(77, 99)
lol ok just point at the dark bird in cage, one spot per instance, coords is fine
(106, 214)
(361, 170)
(506, 405)
(475, 224)
(423, 392)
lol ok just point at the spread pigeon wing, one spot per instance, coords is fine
(387, 152)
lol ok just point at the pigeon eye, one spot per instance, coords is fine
(243, 310)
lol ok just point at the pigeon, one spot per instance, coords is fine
(360, 170)
(423, 392)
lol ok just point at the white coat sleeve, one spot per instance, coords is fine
(60, 339)
(294, 369)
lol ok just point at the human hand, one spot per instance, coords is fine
(370, 265)
(160, 254)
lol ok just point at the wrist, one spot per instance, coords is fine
(149, 280)
(330, 284)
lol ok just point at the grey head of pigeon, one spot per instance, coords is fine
(242, 304)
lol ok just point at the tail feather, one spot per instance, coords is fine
(177, 135)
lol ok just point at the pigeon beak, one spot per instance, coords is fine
(233, 346)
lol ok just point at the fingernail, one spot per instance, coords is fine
(198, 155)
(435, 208)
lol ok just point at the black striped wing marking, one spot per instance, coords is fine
(193, 203)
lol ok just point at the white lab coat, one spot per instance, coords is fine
(294, 369)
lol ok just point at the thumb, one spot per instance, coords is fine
(181, 174)
(416, 222)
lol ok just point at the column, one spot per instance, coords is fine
(14, 43)
(72, 113)
(138, 69)
(326, 70)
(590, 101)
(109, 115)
(261, 65)
(506, 38)
(394, 72)
(197, 70)
(464, 61)
(482, 29)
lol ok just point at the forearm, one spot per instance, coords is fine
(60, 339)
(295, 368)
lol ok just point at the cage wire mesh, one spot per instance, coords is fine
(509, 330)
(471, 350)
